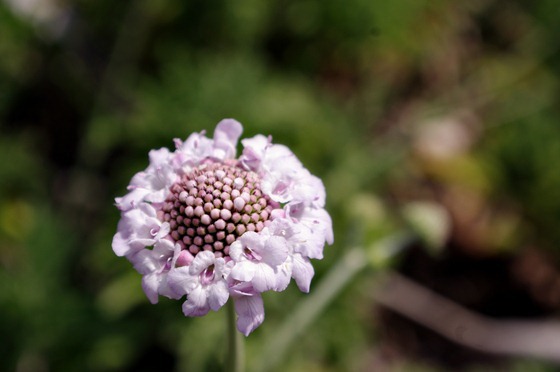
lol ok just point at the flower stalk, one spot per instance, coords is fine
(235, 359)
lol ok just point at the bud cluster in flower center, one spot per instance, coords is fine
(214, 204)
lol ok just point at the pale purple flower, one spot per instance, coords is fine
(204, 283)
(201, 223)
(258, 258)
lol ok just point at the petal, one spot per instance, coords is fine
(275, 251)
(158, 157)
(164, 246)
(130, 200)
(141, 242)
(318, 220)
(150, 284)
(302, 272)
(152, 183)
(165, 290)
(283, 276)
(280, 172)
(202, 261)
(163, 231)
(237, 289)
(225, 138)
(181, 282)
(250, 313)
(310, 245)
(222, 268)
(184, 258)
(136, 227)
(190, 309)
(264, 278)
(236, 251)
(252, 240)
(218, 295)
(243, 271)
(313, 227)
(281, 226)
(196, 148)
(158, 196)
(144, 261)
(198, 296)
(120, 244)
(196, 303)
(309, 190)
(280, 159)
(253, 151)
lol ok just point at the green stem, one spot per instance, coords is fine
(235, 357)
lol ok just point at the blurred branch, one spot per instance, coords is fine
(535, 339)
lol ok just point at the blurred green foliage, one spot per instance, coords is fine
(354, 88)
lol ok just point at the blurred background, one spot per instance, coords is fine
(433, 124)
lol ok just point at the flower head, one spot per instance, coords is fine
(202, 223)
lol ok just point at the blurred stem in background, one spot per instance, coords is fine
(532, 339)
(521, 338)
(118, 77)
(337, 278)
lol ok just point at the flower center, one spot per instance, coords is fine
(213, 205)
(207, 276)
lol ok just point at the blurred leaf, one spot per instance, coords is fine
(16, 219)
(431, 222)
(121, 295)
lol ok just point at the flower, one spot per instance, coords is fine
(201, 223)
